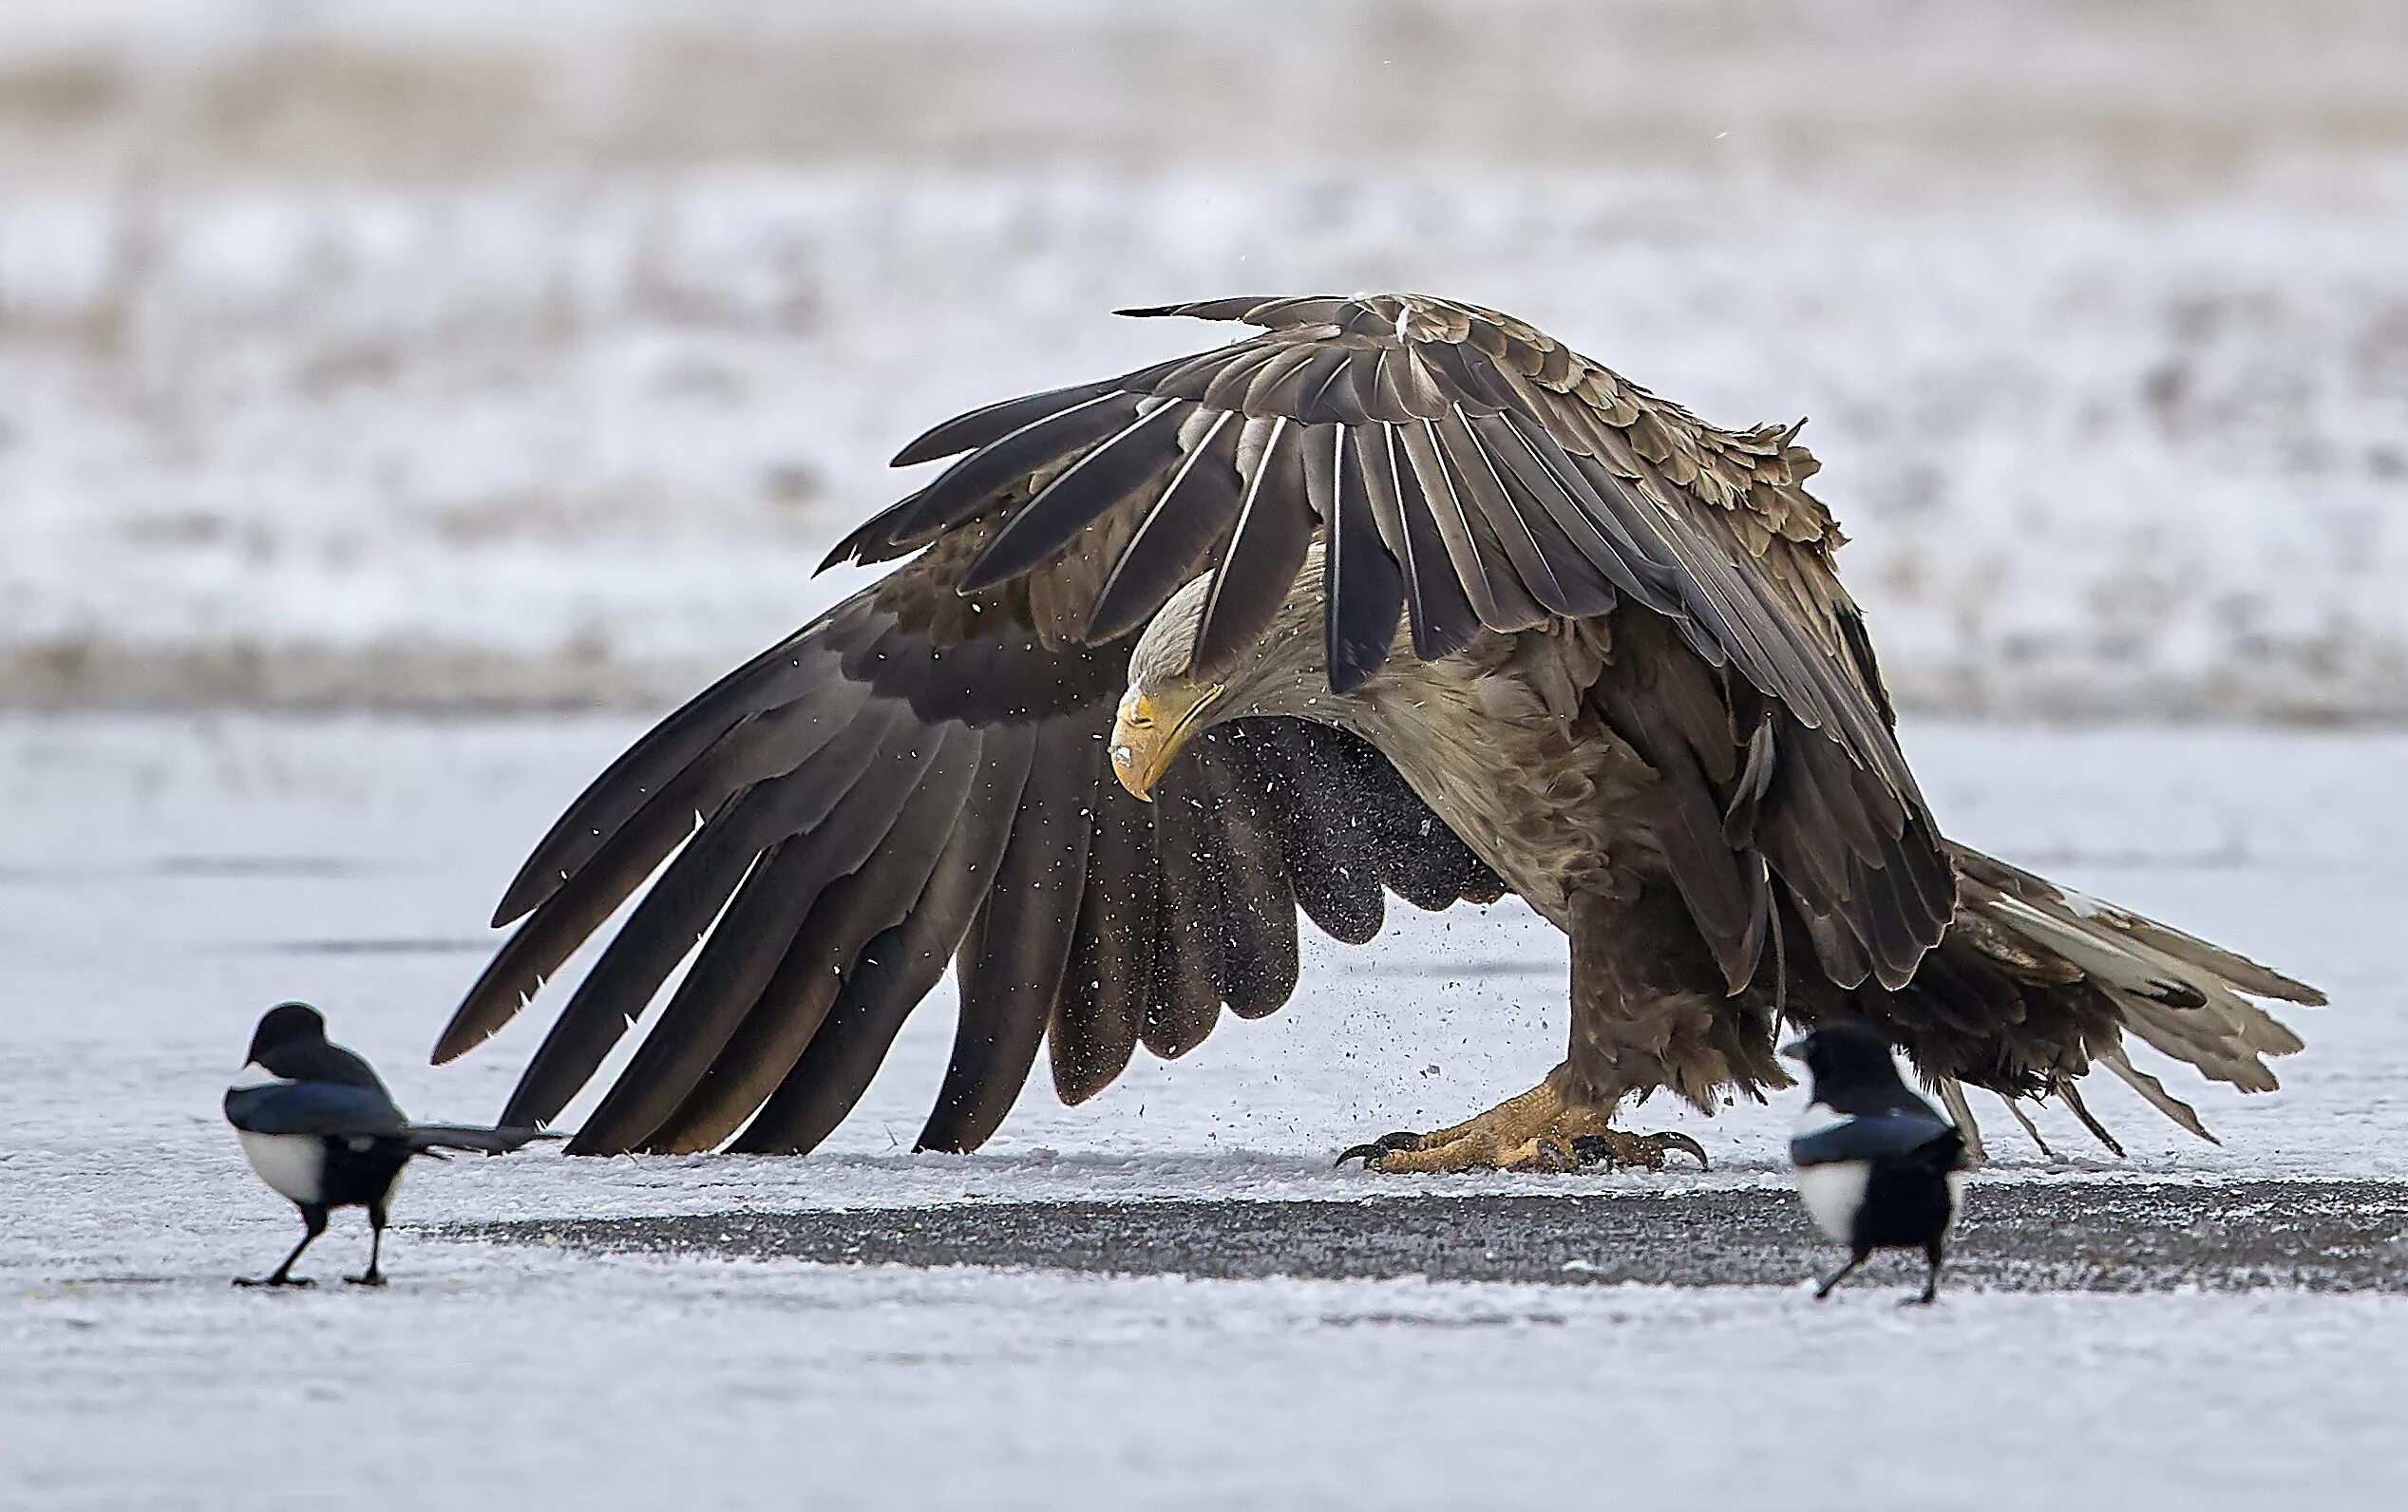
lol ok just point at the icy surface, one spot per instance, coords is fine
(161, 881)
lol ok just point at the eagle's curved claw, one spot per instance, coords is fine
(1386, 1144)
(1645, 1150)
(1683, 1141)
(1537, 1131)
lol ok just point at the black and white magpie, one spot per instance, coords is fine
(320, 1129)
(1877, 1165)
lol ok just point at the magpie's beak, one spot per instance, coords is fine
(1795, 1050)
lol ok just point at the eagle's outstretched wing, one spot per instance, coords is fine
(1468, 471)
(921, 773)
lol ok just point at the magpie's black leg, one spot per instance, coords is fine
(314, 1221)
(1931, 1252)
(1841, 1274)
(373, 1276)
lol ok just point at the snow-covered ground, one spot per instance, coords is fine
(163, 880)
(458, 354)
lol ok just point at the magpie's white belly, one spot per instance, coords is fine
(294, 1165)
(1834, 1193)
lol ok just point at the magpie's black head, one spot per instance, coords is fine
(286, 1026)
(1844, 1053)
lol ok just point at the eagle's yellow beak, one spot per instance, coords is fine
(1150, 731)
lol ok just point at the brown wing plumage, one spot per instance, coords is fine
(914, 781)
(1468, 471)
(1509, 479)
(919, 777)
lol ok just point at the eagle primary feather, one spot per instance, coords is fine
(1447, 608)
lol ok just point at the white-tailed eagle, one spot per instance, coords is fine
(1395, 594)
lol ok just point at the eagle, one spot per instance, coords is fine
(1392, 595)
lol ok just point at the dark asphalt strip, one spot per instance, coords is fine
(2094, 1237)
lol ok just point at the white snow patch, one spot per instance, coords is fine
(490, 356)
(164, 879)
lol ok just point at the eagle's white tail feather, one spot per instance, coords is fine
(1961, 1113)
(2154, 1091)
(2239, 970)
(2178, 994)
(2031, 1130)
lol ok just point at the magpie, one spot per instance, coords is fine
(322, 1130)
(1877, 1165)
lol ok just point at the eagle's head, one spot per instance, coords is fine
(1284, 671)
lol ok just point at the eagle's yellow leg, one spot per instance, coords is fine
(1539, 1131)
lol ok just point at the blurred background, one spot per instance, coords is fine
(450, 355)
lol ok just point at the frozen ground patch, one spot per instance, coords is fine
(491, 1379)
(161, 879)
(2016, 1234)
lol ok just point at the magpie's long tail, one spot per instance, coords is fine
(466, 1137)
(2176, 993)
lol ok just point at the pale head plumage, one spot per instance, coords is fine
(1290, 652)
(1282, 671)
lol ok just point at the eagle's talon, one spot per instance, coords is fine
(1385, 1144)
(1594, 1149)
(1643, 1151)
(1539, 1131)
(1547, 1153)
(1682, 1141)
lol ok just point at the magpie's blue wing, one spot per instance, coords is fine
(1873, 1136)
(330, 1108)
